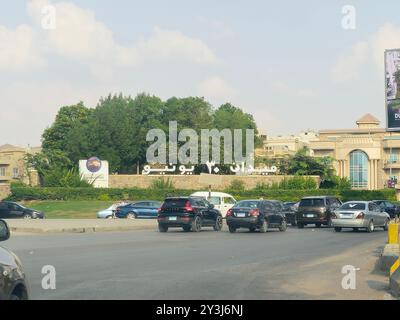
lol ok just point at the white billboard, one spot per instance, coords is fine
(94, 171)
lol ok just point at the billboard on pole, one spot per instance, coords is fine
(392, 89)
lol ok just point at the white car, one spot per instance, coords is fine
(221, 201)
(108, 213)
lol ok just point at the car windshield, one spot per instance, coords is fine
(247, 204)
(353, 206)
(312, 202)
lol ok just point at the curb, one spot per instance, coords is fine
(388, 257)
(395, 283)
(81, 229)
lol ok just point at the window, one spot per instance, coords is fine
(215, 201)
(15, 173)
(393, 158)
(2, 171)
(229, 200)
(359, 169)
(318, 202)
(353, 206)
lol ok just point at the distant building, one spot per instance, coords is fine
(367, 155)
(12, 165)
(277, 147)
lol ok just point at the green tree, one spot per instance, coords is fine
(54, 137)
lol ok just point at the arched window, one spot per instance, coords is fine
(359, 169)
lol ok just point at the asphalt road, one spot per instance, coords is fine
(297, 264)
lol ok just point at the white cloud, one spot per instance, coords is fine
(216, 87)
(349, 65)
(18, 50)
(79, 35)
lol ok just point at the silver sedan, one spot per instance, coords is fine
(360, 215)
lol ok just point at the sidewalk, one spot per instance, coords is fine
(79, 225)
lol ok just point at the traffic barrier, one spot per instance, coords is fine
(394, 239)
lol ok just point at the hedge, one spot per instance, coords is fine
(37, 193)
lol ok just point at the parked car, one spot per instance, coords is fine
(360, 215)
(109, 212)
(141, 209)
(256, 214)
(290, 210)
(221, 201)
(12, 210)
(316, 210)
(189, 213)
(12, 277)
(392, 209)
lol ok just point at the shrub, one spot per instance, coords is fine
(236, 186)
(162, 184)
(38, 193)
(62, 177)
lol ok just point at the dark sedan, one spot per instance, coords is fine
(12, 277)
(256, 214)
(389, 207)
(12, 210)
(141, 209)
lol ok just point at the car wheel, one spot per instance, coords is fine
(162, 228)
(109, 217)
(264, 226)
(371, 227)
(318, 225)
(196, 224)
(232, 229)
(218, 224)
(252, 229)
(294, 222)
(27, 216)
(355, 229)
(300, 225)
(186, 228)
(283, 226)
(386, 226)
(338, 229)
(131, 216)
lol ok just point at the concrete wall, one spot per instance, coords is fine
(4, 190)
(193, 182)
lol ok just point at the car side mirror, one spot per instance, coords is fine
(4, 231)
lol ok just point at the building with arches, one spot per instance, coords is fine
(368, 155)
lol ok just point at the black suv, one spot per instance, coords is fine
(316, 210)
(189, 213)
(12, 210)
(392, 209)
(12, 278)
(256, 214)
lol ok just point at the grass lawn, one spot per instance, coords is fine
(79, 209)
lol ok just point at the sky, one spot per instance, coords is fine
(293, 65)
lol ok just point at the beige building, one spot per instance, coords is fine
(276, 147)
(368, 155)
(12, 165)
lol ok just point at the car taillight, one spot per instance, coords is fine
(229, 213)
(361, 215)
(188, 207)
(254, 213)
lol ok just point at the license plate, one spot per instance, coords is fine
(172, 218)
(347, 216)
(241, 215)
(309, 215)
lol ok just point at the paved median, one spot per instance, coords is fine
(79, 225)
